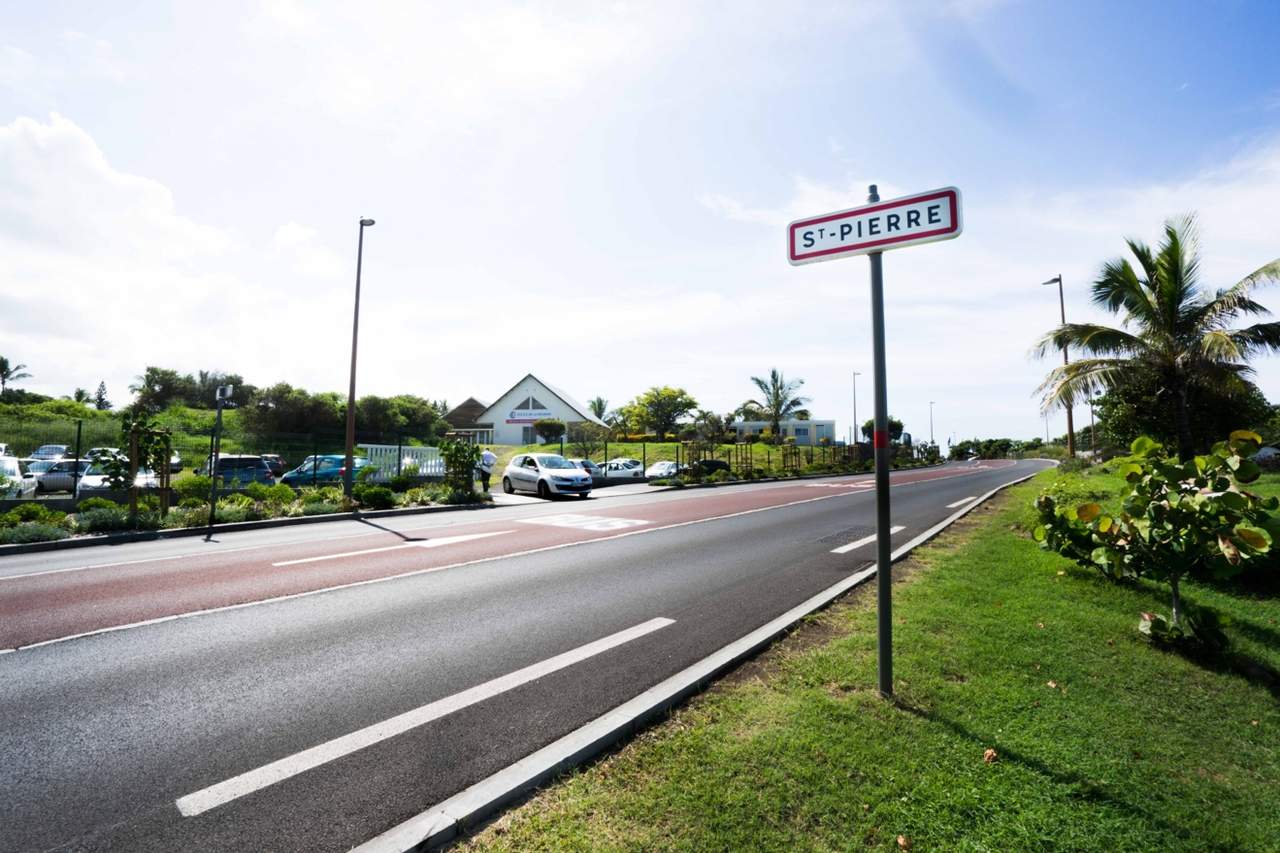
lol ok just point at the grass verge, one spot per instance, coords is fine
(1100, 740)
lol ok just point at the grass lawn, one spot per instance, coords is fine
(1102, 742)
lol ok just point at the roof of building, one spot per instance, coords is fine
(581, 410)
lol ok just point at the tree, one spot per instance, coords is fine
(158, 387)
(778, 399)
(548, 429)
(100, 401)
(598, 406)
(11, 373)
(587, 438)
(895, 429)
(660, 408)
(1172, 331)
(80, 395)
(1136, 405)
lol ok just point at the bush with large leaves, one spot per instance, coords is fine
(1181, 520)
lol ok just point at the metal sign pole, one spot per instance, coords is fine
(880, 441)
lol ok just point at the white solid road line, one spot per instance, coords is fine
(300, 762)
(962, 502)
(426, 543)
(845, 549)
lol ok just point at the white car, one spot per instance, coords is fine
(545, 474)
(94, 482)
(662, 469)
(15, 482)
(5, 450)
(622, 469)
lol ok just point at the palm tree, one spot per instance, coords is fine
(1171, 329)
(11, 373)
(598, 407)
(778, 399)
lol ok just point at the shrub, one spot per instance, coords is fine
(192, 487)
(32, 513)
(721, 476)
(320, 507)
(1189, 519)
(193, 503)
(187, 516)
(102, 520)
(96, 503)
(406, 479)
(275, 494)
(232, 513)
(322, 494)
(375, 497)
(1073, 466)
(31, 532)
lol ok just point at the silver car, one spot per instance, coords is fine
(94, 482)
(545, 474)
(62, 476)
(15, 482)
(51, 451)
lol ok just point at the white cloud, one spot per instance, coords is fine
(300, 246)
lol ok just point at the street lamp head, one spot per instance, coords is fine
(366, 222)
(1057, 279)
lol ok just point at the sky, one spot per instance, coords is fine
(597, 193)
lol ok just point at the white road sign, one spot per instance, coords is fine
(908, 221)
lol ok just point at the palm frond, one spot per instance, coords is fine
(1178, 277)
(1091, 338)
(1118, 287)
(1068, 383)
(1260, 338)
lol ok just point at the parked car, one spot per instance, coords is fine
(37, 468)
(276, 462)
(244, 469)
(94, 482)
(322, 470)
(709, 466)
(587, 465)
(95, 452)
(622, 469)
(627, 462)
(61, 477)
(175, 463)
(545, 474)
(4, 449)
(663, 469)
(15, 482)
(51, 451)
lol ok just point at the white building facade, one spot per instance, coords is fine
(804, 432)
(510, 419)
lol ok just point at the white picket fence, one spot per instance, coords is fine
(385, 456)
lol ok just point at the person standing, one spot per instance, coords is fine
(487, 461)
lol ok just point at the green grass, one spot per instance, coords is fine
(1132, 748)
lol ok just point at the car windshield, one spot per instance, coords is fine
(9, 467)
(554, 462)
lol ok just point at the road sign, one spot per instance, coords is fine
(871, 230)
(908, 221)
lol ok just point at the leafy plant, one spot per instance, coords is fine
(1181, 519)
(196, 486)
(549, 429)
(96, 503)
(460, 460)
(103, 520)
(374, 497)
(31, 532)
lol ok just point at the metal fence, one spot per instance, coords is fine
(73, 440)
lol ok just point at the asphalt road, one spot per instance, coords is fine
(309, 688)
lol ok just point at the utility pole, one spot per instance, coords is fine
(349, 460)
(931, 422)
(857, 427)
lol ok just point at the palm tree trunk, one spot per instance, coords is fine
(1186, 446)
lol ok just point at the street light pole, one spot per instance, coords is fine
(931, 421)
(1062, 307)
(351, 391)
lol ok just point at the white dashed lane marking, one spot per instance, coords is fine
(867, 540)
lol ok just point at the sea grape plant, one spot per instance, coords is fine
(1179, 520)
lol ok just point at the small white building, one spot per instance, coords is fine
(510, 419)
(804, 432)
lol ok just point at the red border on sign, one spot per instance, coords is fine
(949, 194)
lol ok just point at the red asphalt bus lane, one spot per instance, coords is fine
(38, 608)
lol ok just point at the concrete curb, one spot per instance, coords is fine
(448, 820)
(232, 527)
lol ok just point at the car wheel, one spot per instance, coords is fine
(543, 491)
(506, 485)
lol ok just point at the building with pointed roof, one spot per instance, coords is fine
(510, 419)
